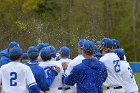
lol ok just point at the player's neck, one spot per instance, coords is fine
(88, 56)
(17, 61)
(103, 52)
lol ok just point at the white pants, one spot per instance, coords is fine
(132, 92)
(112, 90)
(71, 90)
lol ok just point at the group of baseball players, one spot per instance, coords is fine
(42, 69)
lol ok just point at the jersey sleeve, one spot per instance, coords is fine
(46, 82)
(30, 78)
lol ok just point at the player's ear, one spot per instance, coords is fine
(69, 56)
(20, 58)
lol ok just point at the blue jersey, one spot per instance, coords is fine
(89, 76)
(40, 77)
(4, 57)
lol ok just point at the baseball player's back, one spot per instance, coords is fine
(128, 77)
(111, 61)
(47, 66)
(16, 77)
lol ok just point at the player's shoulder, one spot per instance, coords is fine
(124, 64)
(109, 56)
(78, 57)
(23, 66)
(77, 68)
(77, 60)
(100, 63)
(3, 66)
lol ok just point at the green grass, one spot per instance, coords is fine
(137, 77)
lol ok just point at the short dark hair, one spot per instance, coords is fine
(116, 47)
(33, 57)
(121, 58)
(89, 52)
(14, 58)
(64, 55)
(46, 58)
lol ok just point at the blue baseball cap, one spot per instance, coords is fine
(65, 51)
(106, 42)
(15, 51)
(96, 48)
(32, 52)
(45, 52)
(24, 56)
(13, 44)
(119, 52)
(81, 42)
(41, 45)
(88, 45)
(115, 42)
(53, 51)
(46, 44)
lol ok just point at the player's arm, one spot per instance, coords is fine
(74, 77)
(45, 83)
(32, 86)
(104, 74)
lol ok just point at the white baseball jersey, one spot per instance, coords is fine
(67, 60)
(72, 88)
(112, 63)
(74, 62)
(16, 77)
(47, 65)
(128, 77)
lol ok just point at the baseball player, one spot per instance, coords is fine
(39, 74)
(64, 60)
(112, 62)
(16, 77)
(126, 73)
(53, 52)
(5, 53)
(47, 65)
(116, 45)
(39, 47)
(77, 60)
(88, 75)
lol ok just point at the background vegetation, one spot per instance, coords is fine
(64, 22)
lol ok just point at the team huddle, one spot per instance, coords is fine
(44, 70)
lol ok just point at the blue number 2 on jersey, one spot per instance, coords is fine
(131, 72)
(13, 78)
(116, 66)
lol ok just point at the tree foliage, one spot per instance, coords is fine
(65, 22)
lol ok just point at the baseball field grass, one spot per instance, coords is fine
(137, 77)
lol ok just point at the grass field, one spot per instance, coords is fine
(137, 77)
